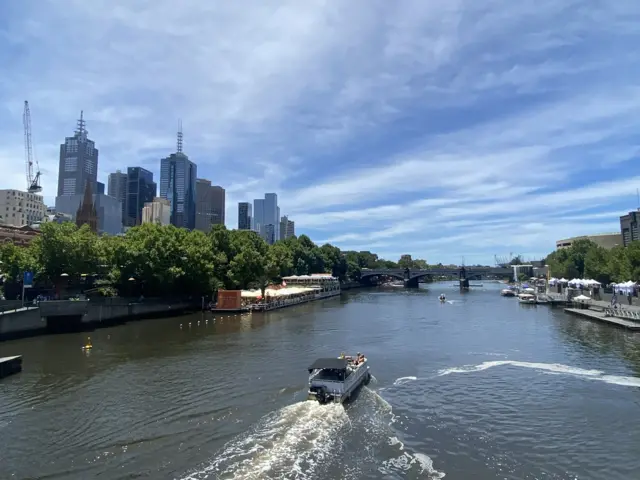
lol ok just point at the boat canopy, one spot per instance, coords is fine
(329, 364)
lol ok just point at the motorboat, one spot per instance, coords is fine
(334, 380)
(527, 298)
(442, 297)
(507, 292)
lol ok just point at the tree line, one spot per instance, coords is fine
(161, 260)
(586, 259)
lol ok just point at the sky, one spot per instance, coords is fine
(444, 129)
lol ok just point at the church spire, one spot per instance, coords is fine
(87, 213)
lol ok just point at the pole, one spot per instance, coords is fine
(23, 293)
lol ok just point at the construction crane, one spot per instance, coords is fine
(33, 179)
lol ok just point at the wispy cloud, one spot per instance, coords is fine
(439, 128)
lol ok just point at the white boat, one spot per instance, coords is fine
(336, 379)
(527, 298)
(442, 297)
(507, 292)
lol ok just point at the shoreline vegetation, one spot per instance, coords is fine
(156, 261)
(585, 259)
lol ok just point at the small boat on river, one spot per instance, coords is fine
(527, 299)
(334, 380)
(442, 297)
(508, 292)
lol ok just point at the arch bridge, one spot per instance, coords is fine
(411, 277)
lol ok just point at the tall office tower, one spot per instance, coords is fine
(178, 185)
(210, 205)
(117, 188)
(244, 216)
(78, 162)
(287, 228)
(141, 189)
(100, 188)
(271, 213)
(257, 224)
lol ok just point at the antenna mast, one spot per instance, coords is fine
(179, 146)
(33, 181)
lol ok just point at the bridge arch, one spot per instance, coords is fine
(364, 274)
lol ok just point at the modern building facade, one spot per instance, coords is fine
(178, 185)
(117, 188)
(99, 188)
(287, 228)
(141, 189)
(605, 240)
(257, 221)
(158, 211)
(78, 162)
(18, 208)
(244, 216)
(270, 234)
(629, 227)
(210, 205)
(266, 212)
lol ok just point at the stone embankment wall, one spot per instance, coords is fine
(33, 321)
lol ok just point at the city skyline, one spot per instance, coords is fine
(442, 130)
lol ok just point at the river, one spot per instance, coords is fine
(480, 387)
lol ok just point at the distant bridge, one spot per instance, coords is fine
(411, 277)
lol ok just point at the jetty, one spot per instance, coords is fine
(606, 317)
(10, 365)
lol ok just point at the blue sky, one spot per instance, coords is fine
(439, 128)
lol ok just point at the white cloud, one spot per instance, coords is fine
(377, 123)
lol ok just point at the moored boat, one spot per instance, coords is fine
(507, 292)
(336, 379)
(527, 299)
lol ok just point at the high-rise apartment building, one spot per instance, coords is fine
(210, 205)
(629, 227)
(158, 211)
(117, 188)
(20, 208)
(78, 162)
(287, 228)
(178, 185)
(141, 189)
(244, 216)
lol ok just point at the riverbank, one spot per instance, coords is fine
(61, 316)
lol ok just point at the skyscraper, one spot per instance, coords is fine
(244, 216)
(272, 213)
(210, 205)
(140, 189)
(287, 228)
(178, 185)
(117, 188)
(78, 162)
(257, 224)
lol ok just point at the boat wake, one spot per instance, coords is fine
(553, 368)
(307, 440)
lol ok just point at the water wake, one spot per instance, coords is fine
(403, 380)
(290, 443)
(555, 368)
(308, 441)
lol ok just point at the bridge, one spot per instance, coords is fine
(411, 277)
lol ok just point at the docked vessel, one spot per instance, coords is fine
(527, 298)
(298, 289)
(507, 292)
(336, 379)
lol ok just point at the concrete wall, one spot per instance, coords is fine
(32, 321)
